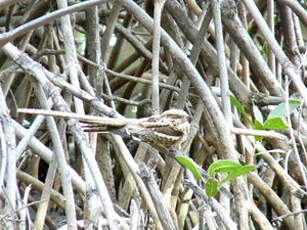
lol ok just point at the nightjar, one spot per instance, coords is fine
(169, 129)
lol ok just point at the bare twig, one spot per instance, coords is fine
(158, 5)
(9, 36)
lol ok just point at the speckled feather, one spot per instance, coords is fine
(170, 129)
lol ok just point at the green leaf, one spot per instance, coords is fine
(275, 123)
(237, 104)
(211, 187)
(234, 101)
(280, 110)
(258, 138)
(257, 125)
(238, 172)
(222, 166)
(189, 164)
(257, 114)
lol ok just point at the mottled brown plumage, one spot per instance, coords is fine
(170, 129)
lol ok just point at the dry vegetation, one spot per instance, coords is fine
(133, 59)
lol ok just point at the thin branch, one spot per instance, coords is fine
(158, 7)
(287, 65)
(226, 107)
(25, 28)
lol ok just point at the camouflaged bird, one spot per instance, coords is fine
(168, 130)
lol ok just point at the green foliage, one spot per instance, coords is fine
(275, 123)
(239, 171)
(231, 168)
(281, 111)
(240, 108)
(211, 187)
(223, 166)
(189, 164)
(276, 119)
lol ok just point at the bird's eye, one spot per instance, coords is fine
(189, 119)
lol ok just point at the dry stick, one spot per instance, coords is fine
(279, 218)
(287, 65)
(109, 71)
(290, 40)
(134, 215)
(48, 112)
(158, 7)
(208, 52)
(6, 3)
(259, 217)
(194, 7)
(294, 145)
(23, 44)
(157, 197)
(127, 191)
(295, 202)
(270, 18)
(79, 137)
(105, 41)
(206, 214)
(299, 36)
(125, 101)
(23, 213)
(20, 30)
(46, 154)
(134, 170)
(260, 133)
(297, 8)
(3, 156)
(55, 196)
(63, 166)
(93, 48)
(93, 208)
(284, 177)
(19, 209)
(115, 122)
(9, 144)
(129, 60)
(118, 47)
(43, 207)
(105, 163)
(140, 80)
(70, 55)
(24, 142)
(73, 67)
(203, 23)
(215, 205)
(244, 62)
(41, 75)
(278, 205)
(187, 67)
(107, 86)
(226, 107)
(138, 45)
(184, 208)
(243, 40)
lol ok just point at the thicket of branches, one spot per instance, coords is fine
(129, 58)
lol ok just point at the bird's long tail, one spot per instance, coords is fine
(95, 121)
